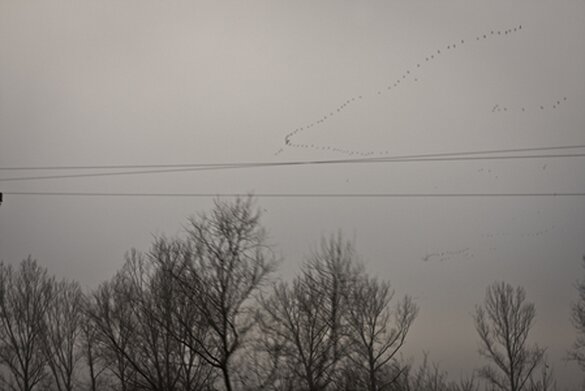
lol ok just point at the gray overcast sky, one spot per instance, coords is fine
(144, 82)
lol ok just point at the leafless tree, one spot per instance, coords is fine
(546, 380)
(175, 316)
(331, 272)
(427, 377)
(25, 295)
(299, 334)
(430, 377)
(111, 314)
(136, 318)
(577, 353)
(230, 261)
(376, 332)
(466, 384)
(95, 362)
(306, 321)
(172, 317)
(258, 367)
(62, 336)
(503, 324)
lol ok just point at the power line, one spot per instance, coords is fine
(122, 173)
(303, 195)
(292, 163)
(260, 164)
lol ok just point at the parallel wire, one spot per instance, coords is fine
(255, 164)
(302, 195)
(291, 163)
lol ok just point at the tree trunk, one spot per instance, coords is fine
(226, 378)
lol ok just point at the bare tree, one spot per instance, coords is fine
(299, 334)
(25, 295)
(306, 321)
(137, 325)
(466, 384)
(171, 321)
(503, 324)
(331, 272)
(546, 381)
(577, 353)
(258, 365)
(230, 261)
(62, 334)
(96, 364)
(111, 314)
(430, 377)
(376, 332)
(427, 377)
(174, 317)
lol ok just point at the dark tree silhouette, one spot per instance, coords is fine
(503, 324)
(62, 336)
(25, 296)
(376, 332)
(430, 377)
(144, 339)
(306, 321)
(544, 382)
(94, 360)
(174, 314)
(228, 263)
(332, 327)
(577, 353)
(192, 313)
(112, 317)
(300, 336)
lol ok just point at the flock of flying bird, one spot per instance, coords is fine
(448, 255)
(411, 75)
(407, 75)
(555, 104)
(533, 234)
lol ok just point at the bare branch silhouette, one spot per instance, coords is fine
(503, 324)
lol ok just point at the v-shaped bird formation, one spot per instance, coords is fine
(409, 75)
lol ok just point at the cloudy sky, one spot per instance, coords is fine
(94, 83)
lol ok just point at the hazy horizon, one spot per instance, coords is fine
(152, 83)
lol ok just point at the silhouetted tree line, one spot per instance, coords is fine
(204, 312)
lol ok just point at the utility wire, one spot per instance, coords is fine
(297, 163)
(261, 164)
(302, 195)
